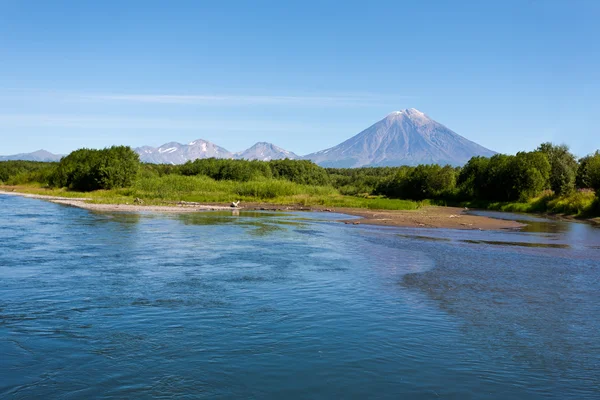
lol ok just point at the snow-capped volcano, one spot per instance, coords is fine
(265, 152)
(177, 153)
(407, 137)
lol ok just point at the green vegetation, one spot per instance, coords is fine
(582, 203)
(563, 168)
(88, 170)
(24, 172)
(421, 182)
(588, 175)
(549, 179)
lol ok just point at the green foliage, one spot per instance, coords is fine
(504, 177)
(23, 172)
(421, 182)
(118, 167)
(530, 174)
(472, 179)
(297, 171)
(172, 186)
(204, 189)
(88, 169)
(563, 167)
(580, 203)
(588, 175)
(159, 169)
(223, 169)
(271, 189)
(361, 181)
(518, 182)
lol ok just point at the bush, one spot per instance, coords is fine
(87, 169)
(421, 182)
(588, 176)
(299, 171)
(563, 167)
(576, 203)
(21, 172)
(505, 178)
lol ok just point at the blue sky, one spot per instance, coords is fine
(303, 75)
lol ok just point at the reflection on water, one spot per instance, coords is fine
(292, 305)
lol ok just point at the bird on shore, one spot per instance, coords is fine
(234, 204)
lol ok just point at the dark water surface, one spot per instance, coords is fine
(292, 306)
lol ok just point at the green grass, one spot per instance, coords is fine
(206, 190)
(582, 203)
(172, 188)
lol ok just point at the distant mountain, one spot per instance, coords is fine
(177, 153)
(265, 152)
(407, 137)
(40, 155)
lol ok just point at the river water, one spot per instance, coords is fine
(297, 305)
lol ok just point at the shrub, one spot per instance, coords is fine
(421, 182)
(88, 169)
(20, 172)
(563, 167)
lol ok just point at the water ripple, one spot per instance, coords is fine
(291, 305)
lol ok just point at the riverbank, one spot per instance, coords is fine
(580, 205)
(424, 217)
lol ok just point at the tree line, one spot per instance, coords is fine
(81, 170)
(501, 178)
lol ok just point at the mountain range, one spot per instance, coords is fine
(40, 155)
(177, 153)
(407, 137)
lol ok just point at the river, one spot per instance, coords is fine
(292, 305)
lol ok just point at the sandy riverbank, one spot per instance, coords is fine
(426, 217)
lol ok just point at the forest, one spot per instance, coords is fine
(548, 179)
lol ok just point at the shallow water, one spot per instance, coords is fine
(267, 305)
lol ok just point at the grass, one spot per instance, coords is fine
(172, 188)
(167, 189)
(581, 203)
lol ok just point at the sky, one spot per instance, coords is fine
(303, 75)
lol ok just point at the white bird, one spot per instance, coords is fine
(235, 203)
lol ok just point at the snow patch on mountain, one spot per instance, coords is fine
(177, 153)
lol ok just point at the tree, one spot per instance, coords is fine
(563, 167)
(117, 167)
(591, 171)
(497, 179)
(472, 179)
(504, 177)
(588, 175)
(300, 171)
(422, 182)
(531, 171)
(88, 169)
